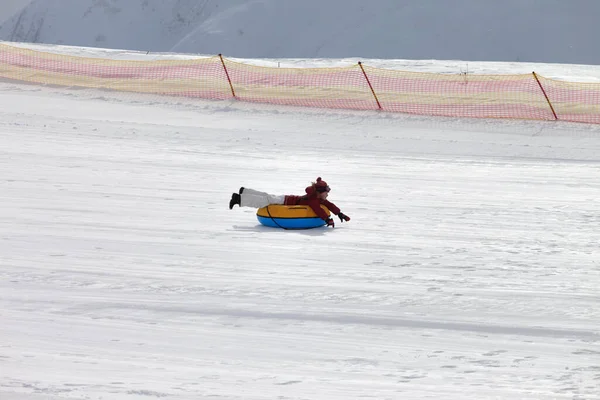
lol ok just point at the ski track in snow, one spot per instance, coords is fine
(470, 268)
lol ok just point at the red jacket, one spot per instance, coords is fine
(312, 200)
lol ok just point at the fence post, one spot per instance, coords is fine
(227, 74)
(545, 95)
(369, 82)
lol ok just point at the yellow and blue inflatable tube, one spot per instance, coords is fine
(290, 217)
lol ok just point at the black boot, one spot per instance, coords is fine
(241, 190)
(235, 199)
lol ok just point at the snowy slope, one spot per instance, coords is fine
(469, 269)
(143, 25)
(10, 7)
(476, 30)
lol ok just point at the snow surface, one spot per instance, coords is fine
(470, 268)
(550, 31)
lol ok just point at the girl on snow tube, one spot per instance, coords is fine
(284, 211)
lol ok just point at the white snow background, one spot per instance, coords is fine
(470, 268)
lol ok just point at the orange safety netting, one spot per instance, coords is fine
(202, 78)
(309, 87)
(573, 101)
(487, 96)
(355, 87)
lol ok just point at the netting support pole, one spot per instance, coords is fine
(369, 82)
(545, 95)
(227, 74)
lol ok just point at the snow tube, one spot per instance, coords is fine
(290, 217)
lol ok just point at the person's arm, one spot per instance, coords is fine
(315, 204)
(334, 209)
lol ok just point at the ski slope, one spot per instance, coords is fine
(470, 268)
(549, 31)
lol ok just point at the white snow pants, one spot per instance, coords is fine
(254, 198)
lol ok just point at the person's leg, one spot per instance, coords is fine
(250, 191)
(235, 199)
(255, 199)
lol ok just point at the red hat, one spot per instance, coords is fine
(322, 186)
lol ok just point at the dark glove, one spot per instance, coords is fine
(330, 222)
(343, 217)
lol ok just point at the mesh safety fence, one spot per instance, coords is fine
(487, 96)
(573, 101)
(203, 78)
(356, 87)
(309, 87)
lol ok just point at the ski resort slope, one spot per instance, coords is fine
(548, 31)
(470, 268)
